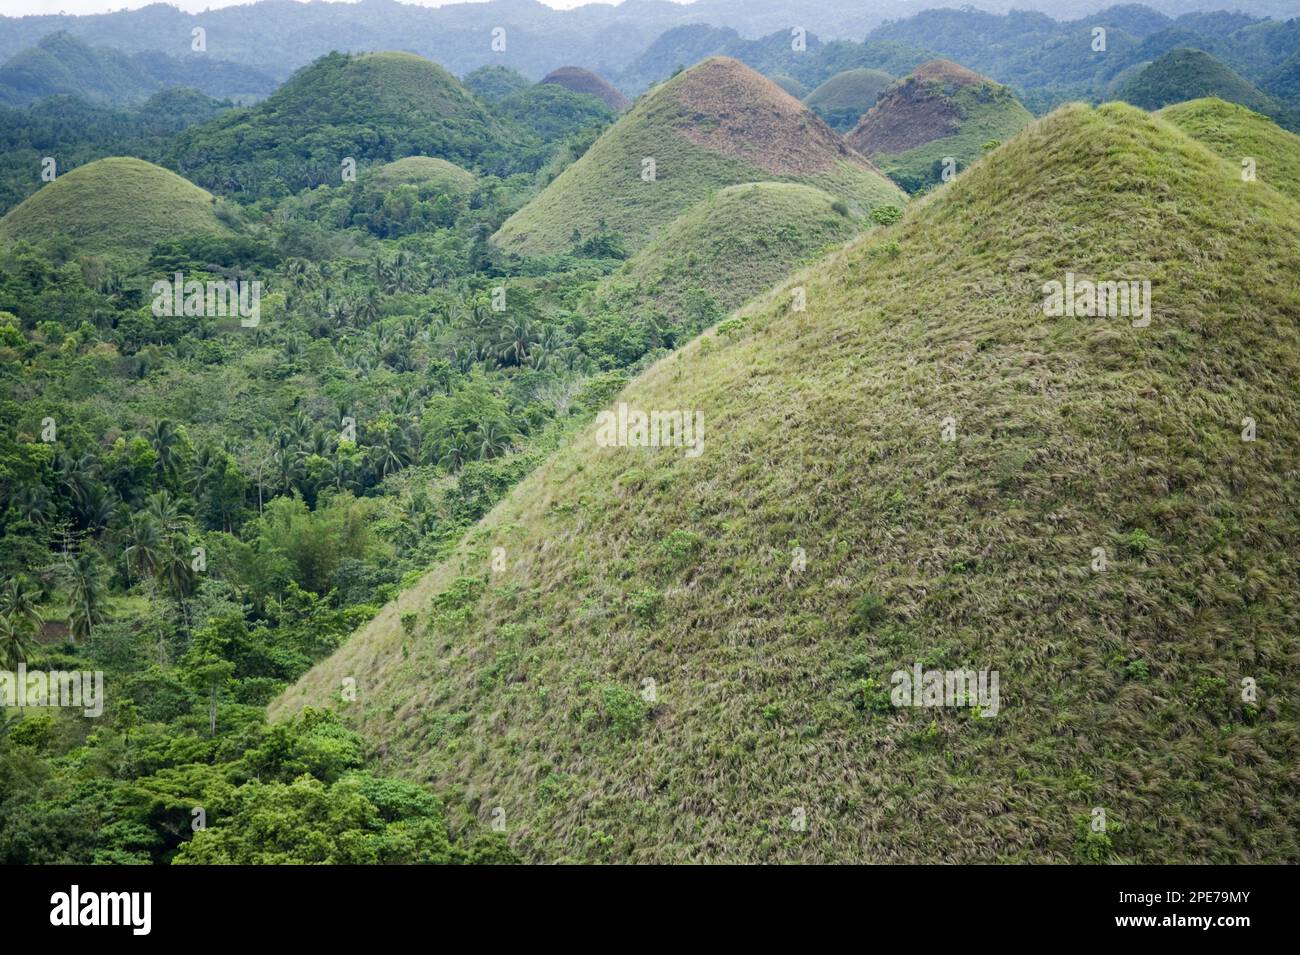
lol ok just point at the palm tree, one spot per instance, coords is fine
(143, 553)
(84, 580)
(391, 453)
(97, 509)
(32, 502)
(166, 442)
(286, 469)
(456, 452)
(492, 441)
(77, 475)
(15, 641)
(516, 341)
(19, 600)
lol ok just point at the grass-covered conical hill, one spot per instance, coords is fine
(424, 170)
(369, 107)
(578, 80)
(1185, 74)
(723, 251)
(937, 112)
(117, 207)
(1238, 134)
(1096, 531)
(717, 124)
(845, 97)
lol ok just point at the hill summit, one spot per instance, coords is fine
(577, 80)
(1185, 74)
(717, 124)
(118, 207)
(1245, 138)
(722, 251)
(370, 107)
(716, 651)
(939, 110)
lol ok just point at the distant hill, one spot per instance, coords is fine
(368, 107)
(789, 84)
(117, 207)
(1237, 133)
(578, 80)
(845, 97)
(1048, 61)
(723, 251)
(75, 132)
(926, 472)
(62, 64)
(419, 170)
(939, 110)
(717, 124)
(552, 112)
(493, 83)
(1191, 74)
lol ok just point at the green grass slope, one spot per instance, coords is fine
(723, 251)
(1235, 133)
(939, 110)
(419, 170)
(1185, 74)
(717, 124)
(372, 107)
(117, 207)
(844, 98)
(1120, 690)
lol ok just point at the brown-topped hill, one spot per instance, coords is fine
(916, 110)
(735, 111)
(718, 124)
(577, 80)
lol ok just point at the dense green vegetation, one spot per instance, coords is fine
(73, 132)
(552, 112)
(400, 380)
(370, 108)
(363, 587)
(824, 439)
(494, 83)
(63, 65)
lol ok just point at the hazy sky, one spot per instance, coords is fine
(17, 8)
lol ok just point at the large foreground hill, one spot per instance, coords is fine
(921, 469)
